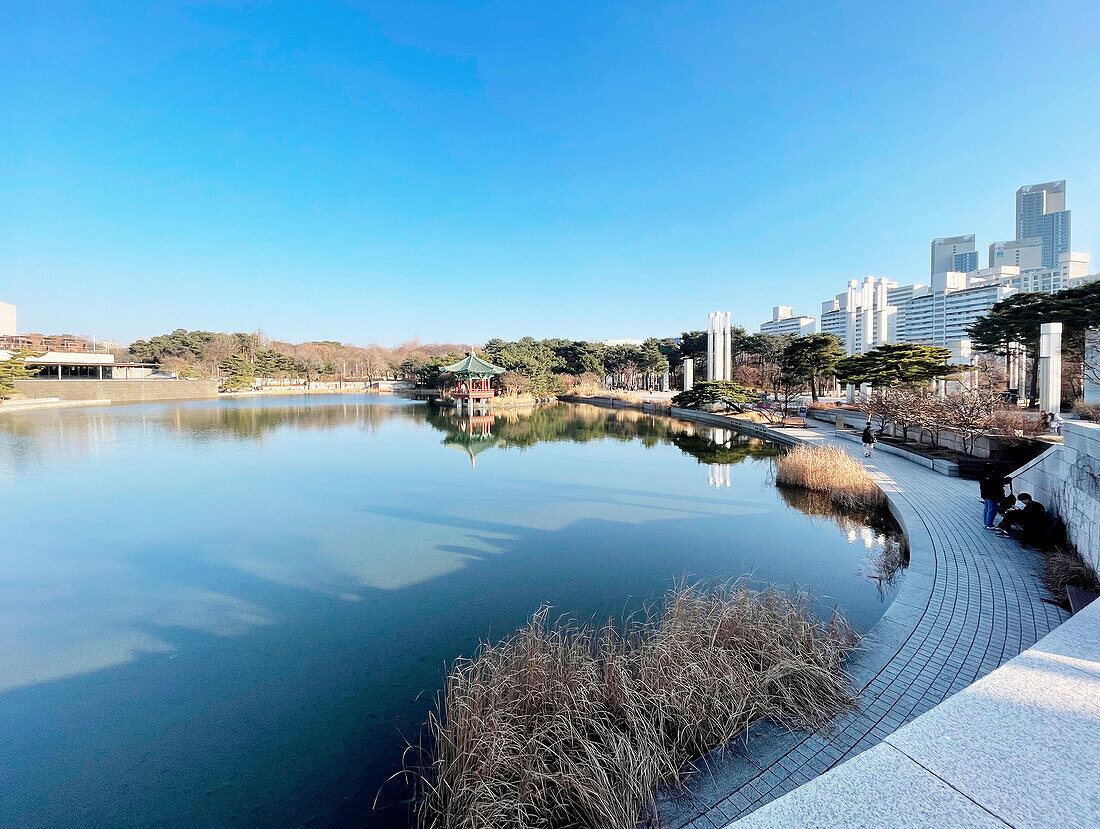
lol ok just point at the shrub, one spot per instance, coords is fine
(563, 725)
(831, 470)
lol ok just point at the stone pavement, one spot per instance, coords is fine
(969, 602)
(1017, 748)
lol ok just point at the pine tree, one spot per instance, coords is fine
(12, 369)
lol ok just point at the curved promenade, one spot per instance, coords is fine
(969, 602)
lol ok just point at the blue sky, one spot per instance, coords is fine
(372, 171)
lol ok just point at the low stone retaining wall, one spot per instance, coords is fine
(984, 446)
(119, 391)
(1066, 480)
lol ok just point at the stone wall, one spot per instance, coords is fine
(1066, 480)
(984, 446)
(119, 391)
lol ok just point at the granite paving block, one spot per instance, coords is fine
(1022, 742)
(1078, 640)
(879, 788)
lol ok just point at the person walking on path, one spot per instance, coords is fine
(992, 489)
(868, 439)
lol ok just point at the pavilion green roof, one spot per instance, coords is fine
(473, 366)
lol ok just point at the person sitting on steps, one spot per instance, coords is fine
(1028, 521)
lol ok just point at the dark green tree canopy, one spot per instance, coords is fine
(1018, 318)
(12, 369)
(812, 357)
(894, 363)
(723, 393)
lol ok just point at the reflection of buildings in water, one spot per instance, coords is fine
(718, 474)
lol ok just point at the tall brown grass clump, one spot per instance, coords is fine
(830, 470)
(565, 725)
(1063, 566)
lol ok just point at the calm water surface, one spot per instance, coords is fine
(236, 612)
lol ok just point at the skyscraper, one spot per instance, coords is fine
(954, 253)
(1041, 213)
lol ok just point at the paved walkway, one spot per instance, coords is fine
(969, 602)
(1017, 748)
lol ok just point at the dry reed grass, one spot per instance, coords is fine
(830, 470)
(563, 725)
(1063, 566)
(751, 416)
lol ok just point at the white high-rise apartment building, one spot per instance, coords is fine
(954, 253)
(862, 316)
(941, 315)
(784, 321)
(7, 320)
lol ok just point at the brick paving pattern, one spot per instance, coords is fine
(970, 602)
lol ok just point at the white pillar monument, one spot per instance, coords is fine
(1015, 367)
(1050, 367)
(689, 373)
(710, 346)
(719, 347)
(727, 341)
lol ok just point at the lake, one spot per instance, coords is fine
(238, 612)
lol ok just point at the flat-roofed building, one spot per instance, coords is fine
(1025, 254)
(941, 313)
(8, 326)
(1041, 212)
(785, 321)
(954, 253)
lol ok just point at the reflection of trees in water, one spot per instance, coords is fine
(887, 550)
(253, 422)
(580, 424)
(723, 446)
(28, 438)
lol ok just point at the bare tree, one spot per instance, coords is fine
(931, 415)
(902, 402)
(969, 413)
(990, 374)
(878, 408)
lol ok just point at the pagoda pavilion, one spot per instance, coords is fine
(472, 381)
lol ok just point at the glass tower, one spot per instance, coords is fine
(1041, 213)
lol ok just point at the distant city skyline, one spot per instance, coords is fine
(375, 172)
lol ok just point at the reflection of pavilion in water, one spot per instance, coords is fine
(473, 434)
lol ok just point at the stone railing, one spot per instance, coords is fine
(1066, 480)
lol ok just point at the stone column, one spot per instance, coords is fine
(1092, 366)
(689, 373)
(1012, 367)
(719, 352)
(1050, 367)
(727, 342)
(710, 346)
(664, 381)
